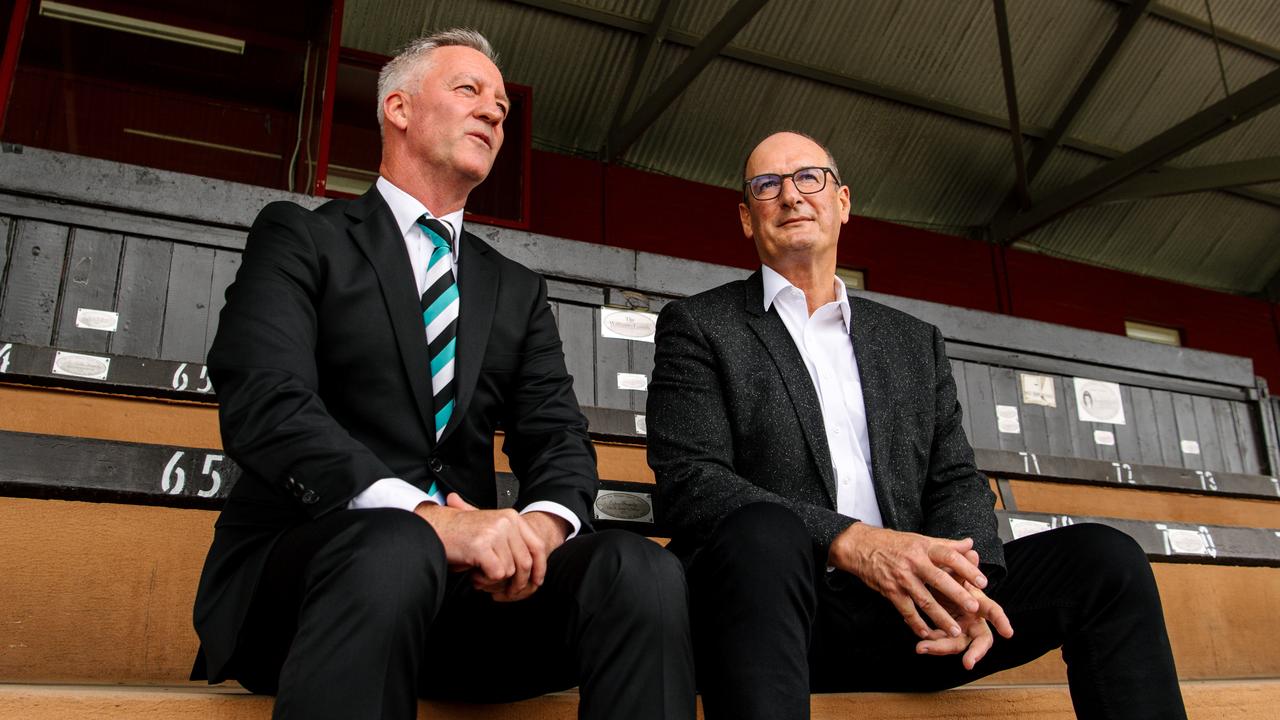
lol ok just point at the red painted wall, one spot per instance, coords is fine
(1071, 293)
(585, 200)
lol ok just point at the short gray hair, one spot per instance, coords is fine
(404, 71)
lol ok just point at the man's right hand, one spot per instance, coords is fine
(907, 568)
(492, 543)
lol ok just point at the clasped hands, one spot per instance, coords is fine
(506, 552)
(919, 574)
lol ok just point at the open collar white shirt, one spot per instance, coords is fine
(826, 346)
(395, 492)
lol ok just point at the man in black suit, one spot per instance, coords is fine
(363, 361)
(811, 463)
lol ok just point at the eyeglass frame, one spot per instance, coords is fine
(782, 179)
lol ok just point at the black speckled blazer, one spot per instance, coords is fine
(734, 419)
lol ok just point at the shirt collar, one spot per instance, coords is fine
(775, 283)
(406, 209)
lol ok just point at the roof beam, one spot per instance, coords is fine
(653, 106)
(846, 82)
(1257, 97)
(643, 61)
(1182, 181)
(1011, 102)
(1191, 22)
(1119, 38)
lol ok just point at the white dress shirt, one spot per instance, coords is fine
(395, 492)
(827, 349)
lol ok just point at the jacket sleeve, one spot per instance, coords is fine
(957, 498)
(546, 434)
(263, 365)
(691, 440)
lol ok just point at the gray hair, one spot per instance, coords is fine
(831, 159)
(404, 71)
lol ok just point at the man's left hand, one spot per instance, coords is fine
(542, 533)
(976, 637)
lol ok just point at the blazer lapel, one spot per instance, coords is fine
(374, 231)
(877, 389)
(478, 295)
(773, 333)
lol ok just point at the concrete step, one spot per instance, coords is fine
(1215, 700)
(98, 592)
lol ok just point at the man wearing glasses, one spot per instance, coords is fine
(837, 536)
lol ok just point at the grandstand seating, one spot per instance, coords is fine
(111, 469)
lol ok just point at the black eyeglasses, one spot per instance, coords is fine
(807, 180)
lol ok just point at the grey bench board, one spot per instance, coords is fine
(190, 381)
(76, 468)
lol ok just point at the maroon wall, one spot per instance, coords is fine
(582, 199)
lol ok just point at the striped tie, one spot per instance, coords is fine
(440, 314)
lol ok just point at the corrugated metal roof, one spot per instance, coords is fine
(1216, 239)
(1258, 21)
(911, 164)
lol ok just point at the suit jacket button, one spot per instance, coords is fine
(310, 498)
(435, 464)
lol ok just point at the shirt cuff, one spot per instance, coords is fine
(391, 493)
(559, 511)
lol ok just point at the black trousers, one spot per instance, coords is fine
(357, 616)
(770, 625)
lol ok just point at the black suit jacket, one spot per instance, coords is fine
(734, 419)
(323, 381)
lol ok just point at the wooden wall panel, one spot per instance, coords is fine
(577, 330)
(90, 279)
(144, 286)
(186, 314)
(31, 288)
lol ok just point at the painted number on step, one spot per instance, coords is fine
(181, 379)
(174, 478)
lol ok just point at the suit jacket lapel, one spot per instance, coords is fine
(773, 333)
(374, 230)
(478, 295)
(877, 395)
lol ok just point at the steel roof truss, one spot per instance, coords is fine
(653, 106)
(1231, 111)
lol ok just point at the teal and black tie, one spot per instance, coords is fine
(440, 314)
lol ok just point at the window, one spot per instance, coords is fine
(853, 279)
(1152, 333)
(233, 91)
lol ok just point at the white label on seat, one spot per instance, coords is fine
(1098, 401)
(104, 320)
(633, 381)
(621, 505)
(628, 324)
(85, 366)
(1190, 447)
(1038, 390)
(1187, 542)
(1022, 528)
(1007, 419)
(1104, 437)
